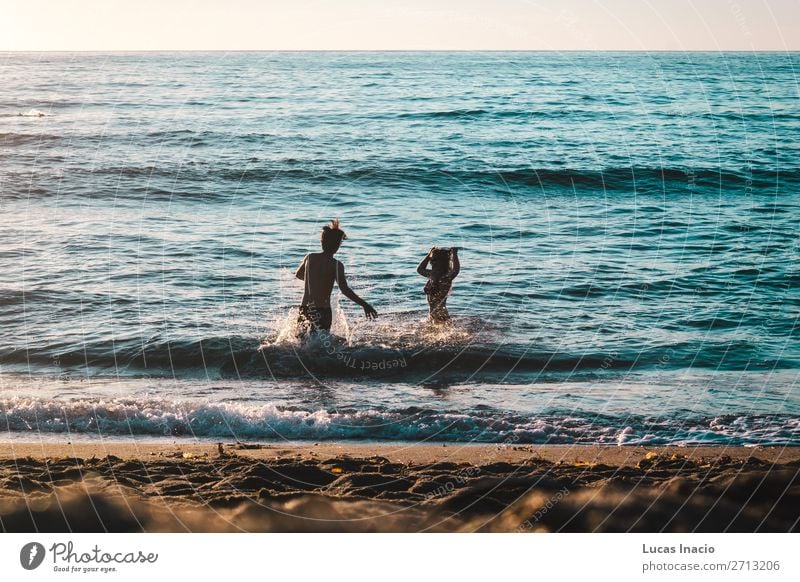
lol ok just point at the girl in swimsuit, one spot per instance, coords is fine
(444, 267)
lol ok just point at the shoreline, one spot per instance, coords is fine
(145, 486)
(401, 451)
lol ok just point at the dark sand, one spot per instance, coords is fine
(356, 487)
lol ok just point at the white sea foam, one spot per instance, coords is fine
(34, 113)
(163, 417)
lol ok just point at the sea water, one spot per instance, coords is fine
(628, 224)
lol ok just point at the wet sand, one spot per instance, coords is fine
(143, 486)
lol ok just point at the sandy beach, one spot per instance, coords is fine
(141, 486)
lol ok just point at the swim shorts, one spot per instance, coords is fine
(315, 318)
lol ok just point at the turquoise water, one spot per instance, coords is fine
(628, 224)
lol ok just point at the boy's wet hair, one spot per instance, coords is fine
(332, 236)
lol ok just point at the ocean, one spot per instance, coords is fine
(629, 272)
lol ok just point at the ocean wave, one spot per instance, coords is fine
(160, 417)
(60, 298)
(621, 178)
(556, 113)
(389, 359)
(243, 357)
(626, 179)
(456, 113)
(17, 139)
(613, 178)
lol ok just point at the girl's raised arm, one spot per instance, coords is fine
(422, 268)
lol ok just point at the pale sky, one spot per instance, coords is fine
(400, 25)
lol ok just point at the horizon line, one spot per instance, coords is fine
(410, 50)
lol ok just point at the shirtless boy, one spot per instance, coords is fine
(319, 271)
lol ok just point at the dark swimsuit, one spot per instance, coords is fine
(439, 289)
(437, 295)
(315, 318)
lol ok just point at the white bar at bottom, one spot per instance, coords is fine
(389, 557)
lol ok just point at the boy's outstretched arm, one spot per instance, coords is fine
(422, 268)
(456, 263)
(341, 280)
(301, 270)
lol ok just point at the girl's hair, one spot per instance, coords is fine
(440, 259)
(332, 236)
